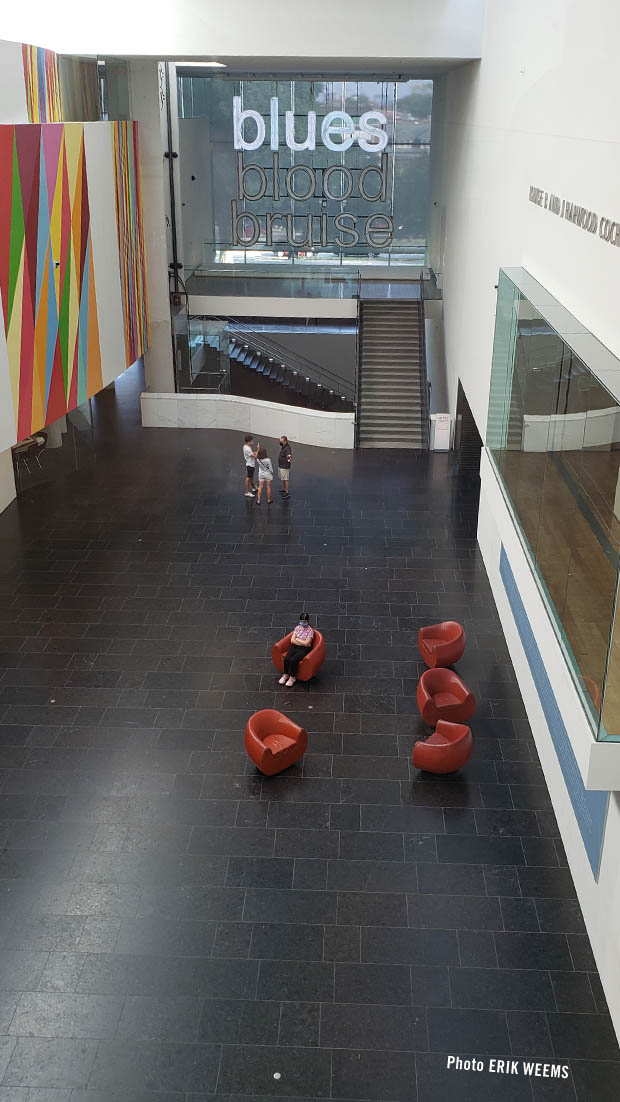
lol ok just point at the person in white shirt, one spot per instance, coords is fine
(249, 458)
(265, 475)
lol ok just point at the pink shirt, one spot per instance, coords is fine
(304, 633)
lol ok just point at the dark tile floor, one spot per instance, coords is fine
(174, 925)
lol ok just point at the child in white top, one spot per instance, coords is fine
(265, 475)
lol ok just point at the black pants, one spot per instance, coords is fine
(293, 658)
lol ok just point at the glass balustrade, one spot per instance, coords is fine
(217, 255)
(553, 434)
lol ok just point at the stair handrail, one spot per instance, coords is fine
(295, 361)
(426, 386)
(358, 363)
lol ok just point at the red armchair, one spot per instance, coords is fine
(273, 741)
(309, 665)
(442, 644)
(442, 695)
(447, 750)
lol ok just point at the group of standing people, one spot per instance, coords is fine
(255, 456)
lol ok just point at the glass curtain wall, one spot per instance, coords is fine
(209, 172)
(554, 436)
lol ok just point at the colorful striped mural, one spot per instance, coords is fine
(46, 273)
(42, 84)
(131, 238)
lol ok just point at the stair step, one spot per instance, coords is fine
(389, 414)
(392, 428)
(371, 407)
(404, 434)
(394, 394)
(402, 445)
(409, 410)
(373, 399)
(396, 424)
(401, 432)
(390, 421)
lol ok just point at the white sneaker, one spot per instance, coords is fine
(248, 494)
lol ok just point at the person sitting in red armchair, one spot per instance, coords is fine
(301, 642)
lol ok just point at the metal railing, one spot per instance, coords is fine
(425, 385)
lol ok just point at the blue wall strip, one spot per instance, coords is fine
(590, 807)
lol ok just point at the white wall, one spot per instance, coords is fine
(435, 355)
(147, 108)
(104, 238)
(273, 28)
(196, 213)
(265, 307)
(13, 105)
(541, 109)
(7, 479)
(600, 901)
(264, 419)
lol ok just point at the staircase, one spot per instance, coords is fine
(291, 371)
(393, 402)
